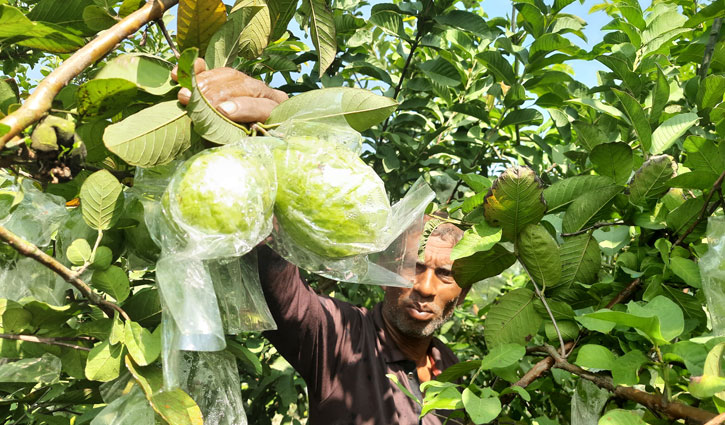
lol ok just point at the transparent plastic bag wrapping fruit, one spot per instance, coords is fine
(712, 271)
(28, 278)
(332, 130)
(27, 211)
(131, 408)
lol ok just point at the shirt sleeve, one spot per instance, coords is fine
(313, 332)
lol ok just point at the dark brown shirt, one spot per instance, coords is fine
(343, 353)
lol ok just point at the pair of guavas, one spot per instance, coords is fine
(327, 200)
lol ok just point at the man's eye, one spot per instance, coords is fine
(419, 268)
(444, 273)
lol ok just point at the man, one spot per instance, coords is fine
(344, 352)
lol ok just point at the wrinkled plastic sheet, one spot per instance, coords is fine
(712, 270)
(28, 278)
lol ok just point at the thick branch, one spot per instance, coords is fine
(29, 250)
(40, 101)
(717, 420)
(703, 211)
(674, 410)
(714, 36)
(39, 340)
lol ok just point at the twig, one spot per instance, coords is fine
(703, 211)
(675, 410)
(93, 254)
(39, 340)
(548, 310)
(260, 129)
(29, 250)
(717, 420)
(162, 27)
(40, 101)
(710, 47)
(624, 294)
(596, 226)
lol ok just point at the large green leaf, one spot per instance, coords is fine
(464, 20)
(104, 98)
(67, 13)
(548, 43)
(150, 73)
(588, 208)
(539, 253)
(143, 346)
(512, 320)
(626, 368)
(621, 417)
(361, 108)
(622, 69)
(562, 193)
(255, 36)
(8, 95)
(101, 200)
(480, 237)
(224, 45)
(104, 362)
(636, 116)
(441, 71)
(588, 135)
(43, 370)
(599, 106)
(499, 66)
(197, 21)
(703, 155)
(650, 181)
(669, 131)
(481, 410)
(581, 259)
(322, 32)
(595, 356)
(503, 356)
(522, 117)
(711, 91)
(112, 281)
(482, 265)
(687, 270)
(49, 37)
(153, 136)
(280, 14)
(660, 96)
(514, 200)
(700, 180)
(388, 17)
(682, 217)
(613, 160)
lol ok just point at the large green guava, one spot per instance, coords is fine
(223, 190)
(328, 200)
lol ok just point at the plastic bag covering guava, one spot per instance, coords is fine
(712, 270)
(329, 201)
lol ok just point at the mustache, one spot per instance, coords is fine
(417, 304)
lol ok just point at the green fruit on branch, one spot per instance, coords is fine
(52, 133)
(328, 200)
(223, 190)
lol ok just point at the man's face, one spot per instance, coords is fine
(419, 311)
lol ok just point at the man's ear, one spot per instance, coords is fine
(462, 296)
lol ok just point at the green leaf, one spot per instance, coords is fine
(588, 135)
(568, 328)
(78, 252)
(599, 106)
(102, 258)
(101, 200)
(153, 136)
(388, 18)
(711, 91)
(626, 368)
(280, 14)
(475, 182)
(539, 253)
(581, 259)
(711, 11)
(149, 73)
(104, 362)
(255, 36)
(441, 71)
(514, 200)
(197, 21)
(361, 108)
(548, 43)
(447, 399)
(464, 20)
(650, 181)
(481, 237)
(636, 116)
(589, 208)
(43, 370)
(613, 160)
(322, 32)
(522, 117)
(480, 410)
(224, 45)
(503, 356)
(37, 35)
(682, 217)
(105, 98)
(498, 66)
(68, 13)
(91, 134)
(8, 95)
(513, 320)
(97, 18)
(703, 155)
(660, 96)
(622, 69)
(594, 356)
(561, 194)
(621, 417)
(458, 370)
(143, 346)
(669, 131)
(687, 270)
(482, 265)
(112, 281)
(700, 180)
(13, 317)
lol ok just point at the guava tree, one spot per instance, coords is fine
(585, 208)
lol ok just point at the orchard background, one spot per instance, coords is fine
(586, 206)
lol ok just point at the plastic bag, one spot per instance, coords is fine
(129, 409)
(28, 278)
(712, 270)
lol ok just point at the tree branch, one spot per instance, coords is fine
(596, 226)
(40, 101)
(703, 211)
(29, 250)
(624, 294)
(39, 340)
(674, 410)
(717, 420)
(162, 27)
(707, 57)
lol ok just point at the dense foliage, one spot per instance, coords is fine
(585, 208)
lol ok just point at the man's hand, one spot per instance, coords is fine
(236, 95)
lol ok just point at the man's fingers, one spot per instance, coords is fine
(199, 66)
(184, 95)
(247, 109)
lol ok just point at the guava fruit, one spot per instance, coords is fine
(328, 200)
(223, 190)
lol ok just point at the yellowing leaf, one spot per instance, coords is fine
(198, 20)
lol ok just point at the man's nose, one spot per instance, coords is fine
(425, 283)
